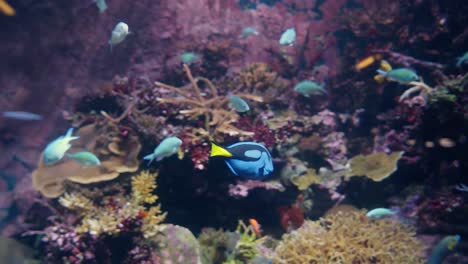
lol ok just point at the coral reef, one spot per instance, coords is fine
(216, 119)
(117, 154)
(349, 237)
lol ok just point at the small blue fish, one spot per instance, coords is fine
(119, 34)
(379, 213)
(56, 149)
(101, 5)
(308, 88)
(288, 37)
(462, 59)
(248, 31)
(85, 158)
(239, 104)
(20, 115)
(248, 160)
(189, 57)
(401, 75)
(168, 147)
(443, 249)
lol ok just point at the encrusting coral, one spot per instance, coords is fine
(109, 216)
(350, 237)
(117, 155)
(376, 166)
(218, 121)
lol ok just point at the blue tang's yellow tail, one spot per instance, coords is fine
(217, 151)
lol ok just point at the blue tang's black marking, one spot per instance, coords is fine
(249, 160)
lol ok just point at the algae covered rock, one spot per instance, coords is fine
(376, 166)
(176, 244)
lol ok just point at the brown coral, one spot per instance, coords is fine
(376, 166)
(117, 155)
(208, 106)
(350, 237)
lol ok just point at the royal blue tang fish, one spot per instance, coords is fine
(168, 147)
(56, 149)
(247, 160)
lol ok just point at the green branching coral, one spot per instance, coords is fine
(106, 216)
(246, 247)
(350, 237)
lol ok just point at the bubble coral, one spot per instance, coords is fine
(376, 166)
(117, 155)
(349, 237)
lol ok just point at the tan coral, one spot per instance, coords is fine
(350, 237)
(304, 181)
(207, 105)
(376, 166)
(105, 215)
(49, 180)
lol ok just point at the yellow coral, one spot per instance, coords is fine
(304, 181)
(107, 216)
(75, 201)
(143, 186)
(350, 237)
(151, 222)
(376, 166)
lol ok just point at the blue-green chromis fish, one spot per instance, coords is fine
(462, 59)
(401, 75)
(56, 149)
(85, 158)
(20, 115)
(119, 34)
(168, 147)
(308, 88)
(288, 37)
(379, 213)
(189, 58)
(101, 5)
(248, 31)
(444, 248)
(239, 104)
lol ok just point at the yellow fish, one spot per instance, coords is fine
(6, 9)
(384, 66)
(367, 61)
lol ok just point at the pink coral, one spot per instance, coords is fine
(242, 188)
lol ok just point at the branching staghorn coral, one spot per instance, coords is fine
(218, 120)
(109, 215)
(350, 237)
